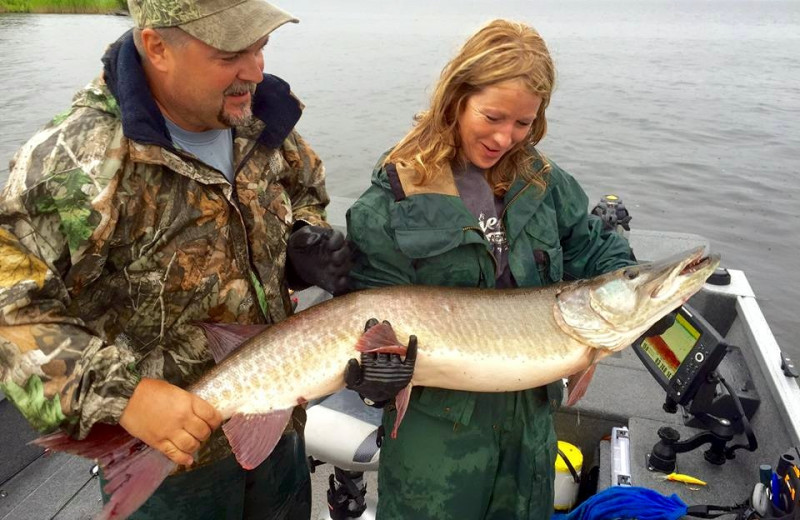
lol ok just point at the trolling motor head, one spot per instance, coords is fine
(613, 213)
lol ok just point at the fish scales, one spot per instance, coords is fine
(304, 357)
(469, 339)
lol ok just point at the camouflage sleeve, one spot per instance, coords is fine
(52, 367)
(306, 188)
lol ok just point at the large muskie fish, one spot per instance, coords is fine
(469, 339)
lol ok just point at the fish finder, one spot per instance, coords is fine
(687, 360)
(682, 357)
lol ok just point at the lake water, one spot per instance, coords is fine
(687, 109)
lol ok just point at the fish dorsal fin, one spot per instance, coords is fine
(380, 338)
(132, 470)
(224, 338)
(253, 436)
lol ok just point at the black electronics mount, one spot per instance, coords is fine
(709, 379)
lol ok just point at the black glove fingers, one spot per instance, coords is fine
(340, 257)
(369, 359)
(341, 286)
(370, 323)
(330, 272)
(312, 239)
(320, 256)
(352, 373)
(307, 236)
(411, 352)
(335, 239)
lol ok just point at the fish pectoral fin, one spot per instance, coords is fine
(132, 469)
(224, 338)
(578, 384)
(380, 338)
(253, 436)
(401, 403)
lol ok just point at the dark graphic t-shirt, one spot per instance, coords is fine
(479, 198)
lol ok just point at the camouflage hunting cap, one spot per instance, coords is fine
(228, 25)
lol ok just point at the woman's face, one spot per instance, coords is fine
(494, 120)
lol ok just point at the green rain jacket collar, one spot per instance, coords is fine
(430, 222)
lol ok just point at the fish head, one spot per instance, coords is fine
(614, 309)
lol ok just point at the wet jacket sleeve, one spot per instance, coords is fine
(588, 249)
(52, 367)
(377, 262)
(306, 188)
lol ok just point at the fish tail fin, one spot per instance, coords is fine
(401, 403)
(382, 339)
(133, 470)
(253, 436)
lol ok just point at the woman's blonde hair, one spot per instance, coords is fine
(502, 50)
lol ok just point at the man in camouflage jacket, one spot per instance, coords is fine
(115, 242)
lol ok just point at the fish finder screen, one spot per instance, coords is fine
(670, 349)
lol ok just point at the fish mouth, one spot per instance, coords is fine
(695, 265)
(688, 271)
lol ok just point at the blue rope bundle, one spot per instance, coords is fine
(627, 503)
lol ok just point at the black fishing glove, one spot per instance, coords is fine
(380, 377)
(660, 327)
(318, 256)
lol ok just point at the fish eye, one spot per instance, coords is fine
(630, 273)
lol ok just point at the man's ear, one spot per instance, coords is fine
(156, 49)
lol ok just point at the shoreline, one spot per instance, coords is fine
(110, 7)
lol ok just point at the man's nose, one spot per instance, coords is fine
(252, 69)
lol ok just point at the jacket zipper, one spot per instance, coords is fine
(519, 193)
(243, 162)
(491, 254)
(249, 264)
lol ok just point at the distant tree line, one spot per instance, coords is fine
(62, 6)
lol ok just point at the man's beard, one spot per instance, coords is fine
(238, 88)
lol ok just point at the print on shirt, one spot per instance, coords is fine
(495, 233)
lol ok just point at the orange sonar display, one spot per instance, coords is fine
(670, 349)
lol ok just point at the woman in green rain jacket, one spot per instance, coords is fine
(466, 200)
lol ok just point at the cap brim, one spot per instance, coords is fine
(238, 27)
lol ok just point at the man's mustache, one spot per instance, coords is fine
(240, 87)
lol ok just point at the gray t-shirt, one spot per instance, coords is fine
(479, 198)
(213, 147)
